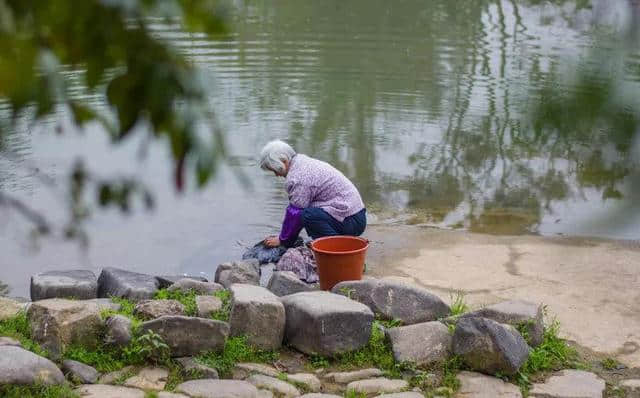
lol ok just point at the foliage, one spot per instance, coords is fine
(388, 323)
(37, 391)
(225, 311)
(458, 305)
(318, 361)
(145, 81)
(610, 363)
(376, 353)
(126, 308)
(236, 350)
(552, 354)
(18, 328)
(354, 394)
(188, 299)
(450, 370)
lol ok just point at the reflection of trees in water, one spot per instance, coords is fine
(539, 138)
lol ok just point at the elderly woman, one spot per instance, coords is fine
(321, 199)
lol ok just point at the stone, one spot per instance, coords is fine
(167, 280)
(380, 385)
(149, 379)
(10, 308)
(247, 272)
(326, 324)
(257, 314)
(422, 343)
(127, 284)
(118, 330)
(218, 389)
(152, 309)
(569, 384)
(516, 313)
(207, 305)
(103, 304)
(189, 336)
(57, 323)
(489, 347)
(395, 300)
(19, 366)
(477, 385)
(106, 391)
(632, 384)
(284, 283)
(185, 285)
(244, 370)
(77, 284)
(317, 395)
(192, 370)
(117, 375)
(348, 377)
(165, 394)
(80, 372)
(309, 381)
(278, 387)
(408, 394)
(9, 341)
(265, 394)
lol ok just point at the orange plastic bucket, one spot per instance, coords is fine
(339, 258)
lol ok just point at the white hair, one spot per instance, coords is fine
(274, 154)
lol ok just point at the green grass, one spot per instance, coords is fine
(225, 311)
(38, 391)
(126, 309)
(458, 305)
(236, 350)
(188, 299)
(376, 353)
(18, 328)
(353, 394)
(610, 363)
(553, 354)
(450, 370)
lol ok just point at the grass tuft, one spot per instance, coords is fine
(188, 299)
(458, 305)
(17, 327)
(37, 391)
(610, 363)
(236, 350)
(225, 311)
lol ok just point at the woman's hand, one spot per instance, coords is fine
(272, 241)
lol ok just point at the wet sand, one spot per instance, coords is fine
(592, 286)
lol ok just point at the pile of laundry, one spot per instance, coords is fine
(297, 259)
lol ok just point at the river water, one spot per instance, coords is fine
(433, 109)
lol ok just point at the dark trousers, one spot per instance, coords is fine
(319, 223)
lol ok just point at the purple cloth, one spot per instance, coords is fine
(292, 224)
(314, 183)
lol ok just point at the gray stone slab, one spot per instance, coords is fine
(127, 284)
(19, 366)
(185, 285)
(77, 284)
(152, 309)
(107, 391)
(477, 385)
(193, 370)
(380, 385)
(208, 305)
(80, 372)
(118, 330)
(208, 388)
(189, 336)
(569, 384)
(257, 314)
(284, 283)
(422, 343)
(277, 386)
(167, 280)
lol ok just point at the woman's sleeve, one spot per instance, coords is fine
(291, 226)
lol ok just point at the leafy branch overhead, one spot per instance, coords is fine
(146, 82)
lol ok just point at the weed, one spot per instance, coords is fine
(450, 370)
(458, 305)
(149, 345)
(346, 291)
(236, 350)
(176, 375)
(37, 391)
(376, 353)
(150, 394)
(223, 313)
(318, 361)
(126, 309)
(354, 394)
(388, 324)
(552, 354)
(18, 328)
(452, 328)
(188, 299)
(524, 329)
(283, 376)
(610, 363)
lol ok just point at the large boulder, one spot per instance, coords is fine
(167, 280)
(247, 272)
(209, 388)
(118, 330)
(569, 384)
(80, 372)
(326, 324)
(284, 283)
(348, 377)
(57, 323)
(489, 347)
(186, 284)
(130, 285)
(77, 284)
(19, 366)
(10, 308)
(477, 385)
(258, 314)
(379, 385)
(276, 386)
(189, 336)
(394, 300)
(518, 313)
(151, 309)
(423, 343)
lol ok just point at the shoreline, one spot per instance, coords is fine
(589, 284)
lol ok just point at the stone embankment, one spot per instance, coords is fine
(74, 308)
